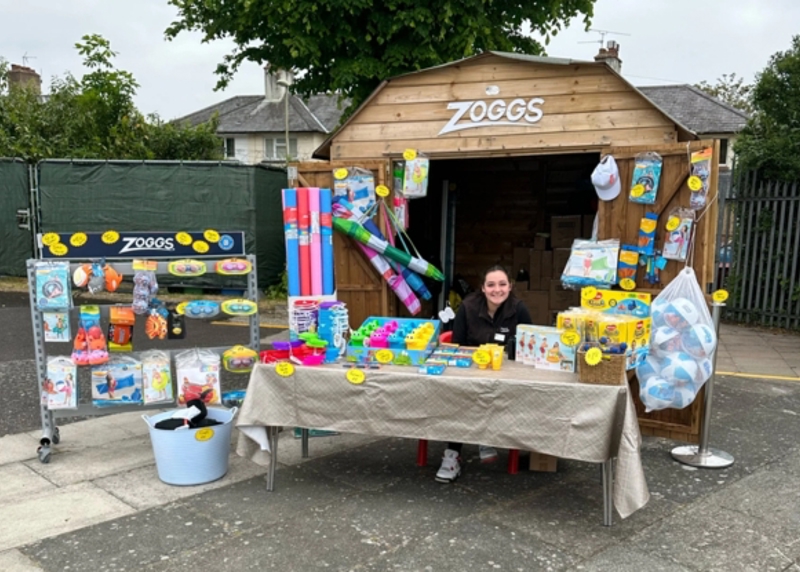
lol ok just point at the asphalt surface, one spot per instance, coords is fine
(18, 383)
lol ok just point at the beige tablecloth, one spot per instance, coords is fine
(518, 407)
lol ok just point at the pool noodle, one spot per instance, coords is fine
(316, 242)
(326, 231)
(303, 239)
(290, 236)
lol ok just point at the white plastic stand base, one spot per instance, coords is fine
(711, 459)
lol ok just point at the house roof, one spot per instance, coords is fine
(699, 111)
(323, 151)
(255, 114)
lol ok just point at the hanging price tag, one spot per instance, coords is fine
(110, 236)
(59, 249)
(183, 238)
(382, 191)
(78, 239)
(200, 246)
(594, 356)
(627, 284)
(410, 154)
(384, 356)
(181, 308)
(355, 376)
(50, 239)
(637, 191)
(340, 173)
(481, 357)
(588, 293)
(211, 236)
(673, 222)
(284, 369)
(570, 338)
(695, 183)
(720, 296)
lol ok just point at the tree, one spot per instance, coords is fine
(770, 142)
(730, 90)
(94, 117)
(350, 46)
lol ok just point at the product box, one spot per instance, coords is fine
(534, 299)
(535, 268)
(543, 463)
(632, 303)
(560, 298)
(546, 265)
(409, 340)
(560, 259)
(304, 313)
(117, 382)
(60, 390)
(525, 344)
(540, 242)
(549, 350)
(521, 259)
(564, 229)
(521, 286)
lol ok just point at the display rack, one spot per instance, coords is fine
(50, 432)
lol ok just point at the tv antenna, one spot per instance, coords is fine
(26, 57)
(603, 33)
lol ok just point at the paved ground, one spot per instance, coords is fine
(362, 504)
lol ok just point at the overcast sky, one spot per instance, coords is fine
(670, 41)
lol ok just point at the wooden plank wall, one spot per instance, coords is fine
(585, 106)
(358, 284)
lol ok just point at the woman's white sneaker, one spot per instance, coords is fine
(487, 454)
(451, 467)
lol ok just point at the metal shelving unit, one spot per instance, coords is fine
(50, 431)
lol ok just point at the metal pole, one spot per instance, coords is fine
(703, 456)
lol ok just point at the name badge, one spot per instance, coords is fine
(500, 338)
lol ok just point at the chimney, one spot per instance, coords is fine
(610, 55)
(272, 90)
(25, 77)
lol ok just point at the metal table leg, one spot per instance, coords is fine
(608, 492)
(272, 436)
(304, 442)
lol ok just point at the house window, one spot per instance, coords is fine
(230, 148)
(275, 148)
(723, 151)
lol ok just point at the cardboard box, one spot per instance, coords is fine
(535, 268)
(564, 229)
(540, 243)
(560, 259)
(561, 299)
(546, 265)
(543, 463)
(522, 286)
(521, 259)
(540, 316)
(587, 224)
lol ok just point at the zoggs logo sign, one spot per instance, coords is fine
(135, 243)
(481, 114)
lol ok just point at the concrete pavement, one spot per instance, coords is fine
(360, 503)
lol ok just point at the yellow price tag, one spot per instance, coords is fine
(588, 293)
(355, 376)
(627, 284)
(570, 338)
(695, 183)
(204, 434)
(78, 239)
(410, 154)
(720, 296)
(200, 246)
(184, 238)
(58, 249)
(594, 356)
(50, 239)
(382, 191)
(637, 191)
(340, 173)
(211, 236)
(481, 357)
(673, 222)
(384, 356)
(181, 308)
(284, 369)
(110, 236)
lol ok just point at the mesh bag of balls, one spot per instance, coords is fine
(682, 346)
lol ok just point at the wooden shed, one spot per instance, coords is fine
(513, 140)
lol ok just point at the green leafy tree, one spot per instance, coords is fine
(731, 90)
(94, 117)
(770, 142)
(350, 46)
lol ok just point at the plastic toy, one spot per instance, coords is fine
(239, 359)
(145, 286)
(187, 267)
(201, 309)
(198, 375)
(239, 307)
(60, 390)
(120, 328)
(156, 325)
(647, 234)
(233, 267)
(52, 286)
(591, 263)
(118, 382)
(156, 377)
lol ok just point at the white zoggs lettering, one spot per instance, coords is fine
(480, 114)
(134, 243)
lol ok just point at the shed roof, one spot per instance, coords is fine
(699, 111)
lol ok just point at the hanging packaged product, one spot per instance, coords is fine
(198, 376)
(239, 359)
(682, 346)
(52, 285)
(646, 177)
(647, 234)
(415, 176)
(401, 211)
(118, 382)
(699, 178)
(628, 263)
(120, 328)
(60, 390)
(176, 326)
(90, 343)
(397, 176)
(56, 326)
(145, 286)
(357, 185)
(591, 263)
(156, 324)
(679, 234)
(156, 377)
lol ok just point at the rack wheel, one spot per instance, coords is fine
(56, 439)
(44, 454)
